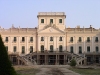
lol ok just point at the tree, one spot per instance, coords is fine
(5, 64)
(73, 62)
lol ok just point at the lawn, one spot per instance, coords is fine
(86, 71)
(25, 70)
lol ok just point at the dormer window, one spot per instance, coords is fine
(51, 20)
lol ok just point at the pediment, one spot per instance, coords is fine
(51, 29)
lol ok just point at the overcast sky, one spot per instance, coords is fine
(23, 13)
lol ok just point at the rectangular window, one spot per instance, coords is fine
(31, 49)
(60, 38)
(71, 39)
(51, 48)
(42, 38)
(15, 39)
(88, 48)
(31, 39)
(23, 49)
(51, 38)
(71, 49)
(7, 48)
(14, 49)
(51, 20)
(60, 20)
(88, 39)
(6, 39)
(23, 39)
(97, 49)
(42, 20)
(80, 39)
(96, 39)
(80, 50)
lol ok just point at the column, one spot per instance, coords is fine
(45, 59)
(37, 59)
(57, 39)
(48, 43)
(64, 59)
(19, 48)
(64, 43)
(45, 42)
(84, 43)
(92, 47)
(56, 60)
(54, 43)
(10, 44)
(38, 43)
(27, 48)
(75, 47)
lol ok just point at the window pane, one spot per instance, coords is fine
(42, 38)
(60, 20)
(51, 38)
(96, 39)
(15, 39)
(6, 39)
(23, 49)
(71, 39)
(51, 20)
(80, 39)
(42, 20)
(31, 49)
(60, 38)
(7, 48)
(80, 50)
(23, 39)
(42, 48)
(60, 48)
(14, 49)
(88, 39)
(88, 48)
(51, 47)
(31, 39)
(97, 49)
(71, 49)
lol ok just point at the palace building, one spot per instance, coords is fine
(51, 43)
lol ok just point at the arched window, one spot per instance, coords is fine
(80, 50)
(42, 48)
(60, 48)
(23, 49)
(51, 48)
(71, 49)
(31, 49)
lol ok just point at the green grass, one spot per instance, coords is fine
(86, 71)
(26, 70)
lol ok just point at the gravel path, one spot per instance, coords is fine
(55, 70)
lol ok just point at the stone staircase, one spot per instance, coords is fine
(79, 58)
(31, 60)
(28, 59)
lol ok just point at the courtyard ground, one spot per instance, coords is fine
(55, 70)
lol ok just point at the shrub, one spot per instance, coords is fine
(73, 62)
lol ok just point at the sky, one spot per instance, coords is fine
(24, 13)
